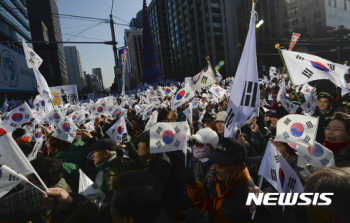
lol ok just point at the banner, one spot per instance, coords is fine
(294, 40)
(14, 72)
(65, 94)
(123, 77)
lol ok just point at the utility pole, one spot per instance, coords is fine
(117, 69)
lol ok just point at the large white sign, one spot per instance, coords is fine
(14, 72)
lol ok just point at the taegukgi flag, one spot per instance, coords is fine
(205, 78)
(182, 96)
(310, 104)
(38, 144)
(317, 155)
(77, 116)
(168, 136)
(97, 110)
(297, 129)
(245, 95)
(116, 131)
(188, 112)
(277, 171)
(65, 130)
(217, 91)
(54, 116)
(282, 97)
(304, 68)
(152, 120)
(17, 117)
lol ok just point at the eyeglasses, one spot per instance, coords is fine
(199, 145)
(335, 131)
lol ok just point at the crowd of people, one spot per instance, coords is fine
(209, 182)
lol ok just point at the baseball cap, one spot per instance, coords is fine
(104, 144)
(228, 151)
(221, 116)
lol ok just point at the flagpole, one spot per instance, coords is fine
(277, 46)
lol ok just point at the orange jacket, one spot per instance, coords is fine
(196, 194)
(25, 139)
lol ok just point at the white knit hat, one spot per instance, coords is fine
(206, 136)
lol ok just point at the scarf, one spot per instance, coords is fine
(325, 112)
(335, 147)
(103, 165)
(144, 159)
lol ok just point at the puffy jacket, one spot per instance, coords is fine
(228, 206)
(72, 158)
(260, 137)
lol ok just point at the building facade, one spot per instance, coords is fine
(45, 26)
(74, 66)
(98, 71)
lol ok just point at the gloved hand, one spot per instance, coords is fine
(187, 176)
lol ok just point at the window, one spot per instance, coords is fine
(285, 14)
(215, 5)
(317, 14)
(217, 25)
(286, 25)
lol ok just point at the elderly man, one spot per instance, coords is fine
(228, 193)
(104, 152)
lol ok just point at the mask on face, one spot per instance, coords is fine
(201, 153)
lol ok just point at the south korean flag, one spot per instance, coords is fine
(97, 110)
(117, 130)
(91, 95)
(167, 137)
(36, 149)
(17, 117)
(217, 91)
(77, 116)
(66, 130)
(114, 112)
(53, 117)
(282, 97)
(310, 105)
(148, 111)
(182, 96)
(297, 129)
(90, 126)
(317, 155)
(205, 78)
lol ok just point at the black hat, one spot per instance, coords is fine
(104, 144)
(209, 117)
(228, 151)
(26, 147)
(325, 95)
(143, 137)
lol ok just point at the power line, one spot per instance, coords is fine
(120, 19)
(85, 30)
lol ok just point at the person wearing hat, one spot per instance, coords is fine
(228, 192)
(197, 125)
(161, 165)
(220, 123)
(137, 124)
(323, 111)
(208, 120)
(104, 151)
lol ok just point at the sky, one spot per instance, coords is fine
(97, 55)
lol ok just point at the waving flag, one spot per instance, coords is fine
(36, 149)
(38, 134)
(12, 104)
(306, 89)
(117, 130)
(149, 110)
(90, 126)
(97, 110)
(297, 129)
(33, 60)
(54, 116)
(282, 97)
(152, 121)
(276, 170)
(65, 130)
(304, 68)
(168, 136)
(217, 91)
(88, 188)
(182, 96)
(205, 78)
(137, 109)
(317, 155)
(91, 95)
(310, 104)
(77, 116)
(188, 112)
(17, 117)
(114, 111)
(246, 85)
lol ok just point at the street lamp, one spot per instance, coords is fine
(259, 23)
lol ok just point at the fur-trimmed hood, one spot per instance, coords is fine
(206, 136)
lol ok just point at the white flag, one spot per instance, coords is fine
(65, 130)
(33, 59)
(149, 110)
(188, 112)
(304, 68)
(217, 91)
(152, 121)
(282, 97)
(317, 155)
(246, 85)
(297, 129)
(205, 78)
(182, 96)
(77, 116)
(276, 170)
(90, 126)
(13, 157)
(97, 110)
(168, 136)
(12, 104)
(117, 130)
(306, 89)
(17, 117)
(36, 149)
(91, 95)
(310, 104)
(54, 116)
(137, 109)
(88, 188)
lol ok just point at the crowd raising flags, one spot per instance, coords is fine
(195, 138)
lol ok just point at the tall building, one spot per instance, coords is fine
(85, 79)
(196, 29)
(45, 26)
(89, 81)
(74, 66)
(158, 17)
(151, 68)
(97, 71)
